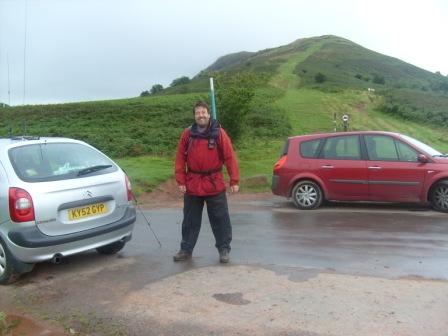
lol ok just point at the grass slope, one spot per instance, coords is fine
(127, 127)
(142, 133)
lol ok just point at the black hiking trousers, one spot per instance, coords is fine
(218, 215)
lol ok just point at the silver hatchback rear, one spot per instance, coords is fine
(58, 197)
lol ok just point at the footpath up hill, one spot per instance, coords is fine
(265, 96)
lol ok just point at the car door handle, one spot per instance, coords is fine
(327, 166)
(375, 167)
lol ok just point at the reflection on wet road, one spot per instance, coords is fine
(383, 241)
(341, 270)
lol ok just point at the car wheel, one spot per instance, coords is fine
(8, 271)
(439, 196)
(307, 195)
(111, 248)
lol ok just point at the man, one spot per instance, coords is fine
(202, 151)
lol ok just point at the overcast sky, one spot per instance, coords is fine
(78, 50)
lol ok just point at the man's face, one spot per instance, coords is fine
(201, 116)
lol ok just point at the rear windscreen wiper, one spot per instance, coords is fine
(92, 169)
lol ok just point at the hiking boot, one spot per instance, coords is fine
(182, 255)
(224, 256)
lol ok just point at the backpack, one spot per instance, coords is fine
(212, 143)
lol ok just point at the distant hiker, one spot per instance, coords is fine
(202, 151)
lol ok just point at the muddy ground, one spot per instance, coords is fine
(345, 269)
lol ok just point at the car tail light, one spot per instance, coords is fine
(279, 164)
(21, 207)
(128, 188)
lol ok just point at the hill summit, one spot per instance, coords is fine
(343, 62)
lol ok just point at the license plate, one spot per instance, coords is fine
(87, 211)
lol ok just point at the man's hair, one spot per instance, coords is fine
(201, 104)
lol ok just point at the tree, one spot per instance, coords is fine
(377, 79)
(180, 81)
(156, 89)
(234, 95)
(320, 77)
(145, 93)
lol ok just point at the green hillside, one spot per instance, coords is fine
(347, 64)
(128, 127)
(303, 87)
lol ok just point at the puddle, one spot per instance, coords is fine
(231, 298)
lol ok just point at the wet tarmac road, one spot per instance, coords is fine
(277, 251)
(384, 241)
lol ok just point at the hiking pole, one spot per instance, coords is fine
(212, 97)
(147, 220)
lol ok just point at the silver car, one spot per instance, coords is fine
(59, 197)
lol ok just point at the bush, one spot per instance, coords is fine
(131, 127)
(145, 94)
(156, 89)
(234, 95)
(377, 79)
(417, 105)
(180, 81)
(320, 77)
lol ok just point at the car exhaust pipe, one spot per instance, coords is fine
(57, 258)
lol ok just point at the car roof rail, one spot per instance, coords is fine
(25, 137)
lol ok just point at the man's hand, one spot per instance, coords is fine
(183, 189)
(235, 188)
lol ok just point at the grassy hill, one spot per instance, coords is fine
(142, 133)
(347, 64)
(128, 127)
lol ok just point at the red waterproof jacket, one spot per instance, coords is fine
(194, 158)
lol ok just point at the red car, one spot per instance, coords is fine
(361, 166)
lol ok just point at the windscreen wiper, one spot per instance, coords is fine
(440, 155)
(92, 169)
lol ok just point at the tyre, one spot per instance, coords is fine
(8, 270)
(307, 195)
(439, 196)
(111, 248)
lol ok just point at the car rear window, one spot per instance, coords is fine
(309, 149)
(58, 161)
